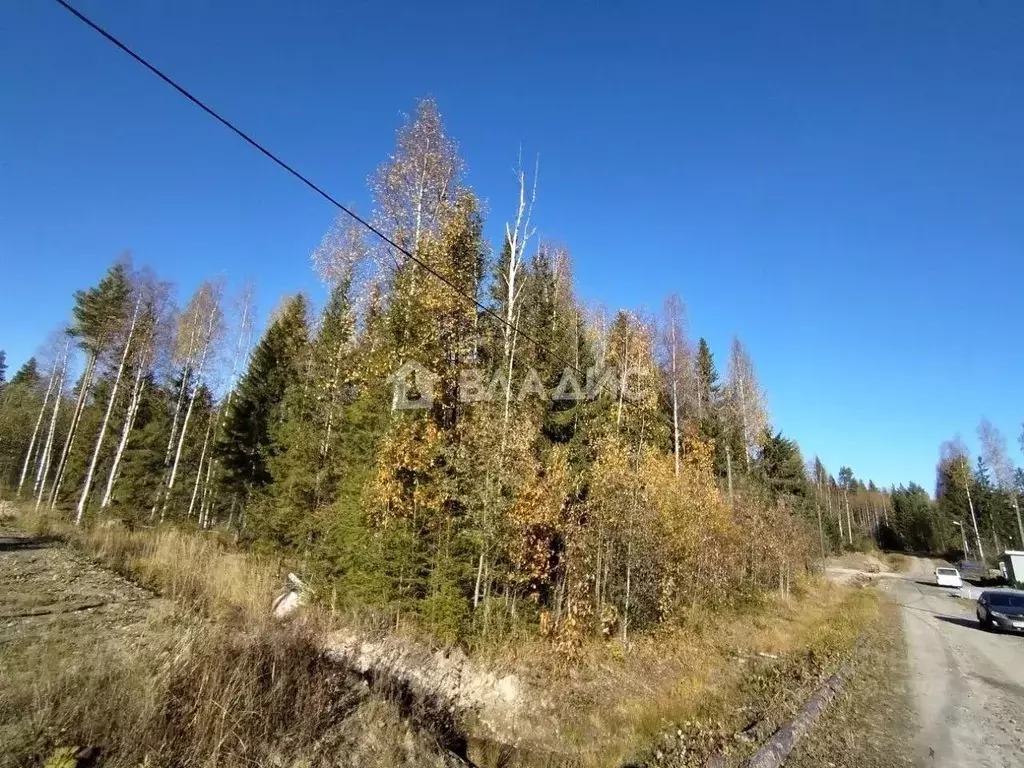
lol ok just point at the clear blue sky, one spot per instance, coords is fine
(838, 183)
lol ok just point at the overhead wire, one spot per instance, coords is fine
(196, 101)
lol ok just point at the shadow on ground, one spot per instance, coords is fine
(14, 544)
(960, 621)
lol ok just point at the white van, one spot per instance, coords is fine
(948, 577)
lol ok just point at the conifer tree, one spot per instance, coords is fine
(551, 314)
(276, 363)
(954, 478)
(98, 314)
(306, 461)
(782, 466)
(707, 377)
(20, 403)
(28, 375)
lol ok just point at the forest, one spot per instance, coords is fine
(607, 513)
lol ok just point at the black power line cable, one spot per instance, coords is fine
(305, 180)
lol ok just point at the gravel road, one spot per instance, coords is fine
(967, 684)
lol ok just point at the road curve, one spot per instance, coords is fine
(967, 684)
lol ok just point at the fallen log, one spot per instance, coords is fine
(774, 752)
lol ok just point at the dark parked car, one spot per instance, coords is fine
(1001, 610)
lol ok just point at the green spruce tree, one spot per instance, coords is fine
(246, 443)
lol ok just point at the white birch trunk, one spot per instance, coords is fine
(35, 430)
(479, 578)
(849, 520)
(839, 517)
(222, 413)
(974, 517)
(186, 372)
(517, 237)
(69, 441)
(622, 383)
(44, 464)
(129, 424)
(675, 399)
(199, 473)
(207, 342)
(188, 412)
(80, 511)
(629, 584)
(743, 416)
(821, 528)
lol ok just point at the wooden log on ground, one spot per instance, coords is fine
(775, 751)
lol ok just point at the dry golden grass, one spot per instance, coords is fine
(199, 695)
(198, 570)
(160, 683)
(706, 679)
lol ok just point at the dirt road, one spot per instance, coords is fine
(967, 684)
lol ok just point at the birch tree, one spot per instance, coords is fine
(111, 399)
(993, 451)
(747, 400)
(44, 463)
(846, 482)
(151, 336)
(678, 366)
(245, 310)
(35, 430)
(205, 315)
(518, 232)
(419, 180)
